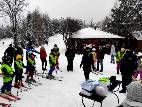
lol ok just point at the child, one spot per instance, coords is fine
(57, 54)
(31, 67)
(7, 74)
(52, 62)
(139, 69)
(43, 56)
(18, 65)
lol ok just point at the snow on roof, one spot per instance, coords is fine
(91, 33)
(137, 35)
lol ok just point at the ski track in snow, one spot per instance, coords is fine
(53, 93)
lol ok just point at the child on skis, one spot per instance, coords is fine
(18, 65)
(7, 74)
(31, 67)
(57, 54)
(52, 63)
(43, 56)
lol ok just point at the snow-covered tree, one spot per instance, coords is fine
(12, 8)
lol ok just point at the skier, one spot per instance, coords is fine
(100, 57)
(87, 63)
(127, 68)
(119, 56)
(18, 66)
(10, 51)
(112, 53)
(57, 54)
(43, 56)
(8, 74)
(70, 54)
(30, 68)
(52, 63)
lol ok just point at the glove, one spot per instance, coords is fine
(93, 68)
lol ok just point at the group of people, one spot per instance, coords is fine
(9, 72)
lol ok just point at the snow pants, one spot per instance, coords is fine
(6, 86)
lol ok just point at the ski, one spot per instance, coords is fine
(5, 105)
(54, 78)
(7, 97)
(13, 96)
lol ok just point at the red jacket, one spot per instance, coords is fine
(43, 54)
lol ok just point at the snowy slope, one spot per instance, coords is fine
(64, 93)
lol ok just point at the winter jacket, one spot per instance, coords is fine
(70, 54)
(43, 54)
(87, 62)
(31, 62)
(119, 56)
(128, 63)
(7, 72)
(134, 95)
(10, 51)
(18, 66)
(52, 59)
(112, 51)
(100, 54)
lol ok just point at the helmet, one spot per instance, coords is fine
(6, 59)
(18, 57)
(100, 91)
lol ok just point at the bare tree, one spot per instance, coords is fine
(12, 9)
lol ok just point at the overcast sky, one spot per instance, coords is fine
(87, 10)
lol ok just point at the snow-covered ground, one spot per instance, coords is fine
(53, 93)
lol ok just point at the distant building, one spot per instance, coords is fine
(94, 38)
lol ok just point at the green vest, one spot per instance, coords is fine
(10, 71)
(104, 79)
(53, 59)
(119, 56)
(32, 62)
(19, 64)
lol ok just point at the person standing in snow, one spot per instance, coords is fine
(87, 62)
(119, 56)
(18, 66)
(52, 63)
(70, 54)
(139, 69)
(10, 51)
(7, 74)
(31, 68)
(57, 54)
(94, 56)
(43, 56)
(100, 57)
(112, 53)
(127, 68)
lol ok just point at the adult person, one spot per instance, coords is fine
(100, 57)
(43, 56)
(112, 53)
(87, 62)
(70, 54)
(10, 51)
(119, 56)
(127, 68)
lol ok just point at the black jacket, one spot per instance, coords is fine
(128, 63)
(70, 54)
(87, 62)
(10, 51)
